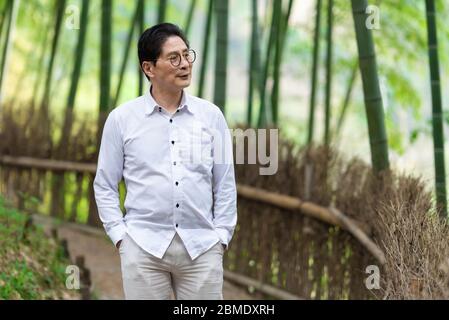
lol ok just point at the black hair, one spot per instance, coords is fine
(150, 43)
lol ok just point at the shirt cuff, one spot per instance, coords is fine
(223, 235)
(117, 233)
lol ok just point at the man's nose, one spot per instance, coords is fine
(184, 63)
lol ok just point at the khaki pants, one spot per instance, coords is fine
(148, 277)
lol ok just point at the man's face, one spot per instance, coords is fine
(163, 73)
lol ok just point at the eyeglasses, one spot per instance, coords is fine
(175, 58)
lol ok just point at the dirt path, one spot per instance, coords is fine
(103, 260)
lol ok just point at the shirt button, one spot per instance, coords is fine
(174, 163)
(177, 205)
(177, 110)
(176, 182)
(171, 120)
(176, 225)
(160, 109)
(172, 142)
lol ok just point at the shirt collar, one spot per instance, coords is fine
(152, 106)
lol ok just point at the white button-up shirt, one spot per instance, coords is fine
(179, 175)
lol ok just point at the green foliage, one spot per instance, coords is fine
(21, 282)
(395, 135)
(32, 266)
(122, 193)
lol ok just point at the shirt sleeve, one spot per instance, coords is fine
(108, 175)
(224, 186)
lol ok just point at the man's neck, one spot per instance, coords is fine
(170, 100)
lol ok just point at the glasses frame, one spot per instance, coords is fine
(179, 58)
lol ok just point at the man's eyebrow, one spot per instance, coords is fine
(172, 52)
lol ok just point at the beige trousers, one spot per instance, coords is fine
(175, 275)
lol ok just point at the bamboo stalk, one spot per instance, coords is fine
(437, 113)
(221, 54)
(37, 80)
(162, 11)
(371, 88)
(188, 22)
(254, 61)
(206, 38)
(3, 16)
(264, 116)
(125, 59)
(79, 54)
(316, 47)
(328, 90)
(140, 25)
(12, 7)
(280, 42)
(347, 99)
(57, 199)
(105, 68)
(59, 7)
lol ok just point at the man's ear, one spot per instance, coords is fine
(148, 68)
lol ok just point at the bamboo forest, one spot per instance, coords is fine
(345, 100)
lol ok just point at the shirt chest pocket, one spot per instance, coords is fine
(196, 152)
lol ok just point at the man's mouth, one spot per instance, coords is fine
(184, 77)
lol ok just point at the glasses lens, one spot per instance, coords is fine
(176, 60)
(191, 56)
